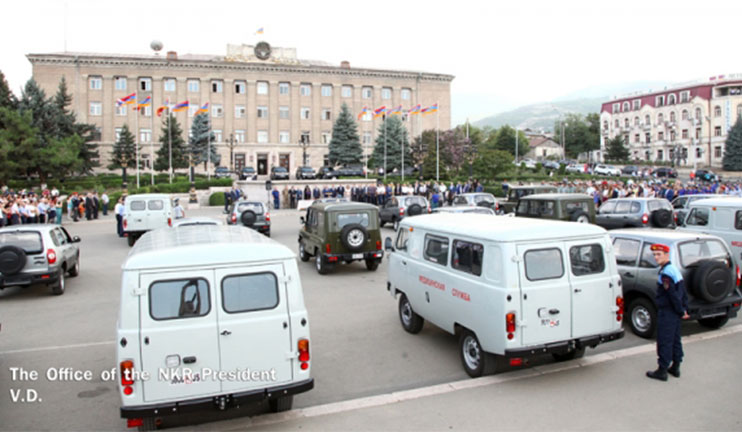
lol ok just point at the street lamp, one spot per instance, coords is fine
(230, 145)
(304, 143)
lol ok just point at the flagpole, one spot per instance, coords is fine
(405, 129)
(437, 135)
(383, 118)
(169, 144)
(151, 143)
(136, 122)
(208, 148)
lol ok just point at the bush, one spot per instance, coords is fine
(216, 199)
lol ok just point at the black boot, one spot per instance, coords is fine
(674, 369)
(659, 374)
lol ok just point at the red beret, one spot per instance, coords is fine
(660, 247)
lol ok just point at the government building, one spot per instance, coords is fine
(266, 106)
(687, 123)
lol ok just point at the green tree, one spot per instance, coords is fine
(581, 134)
(392, 135)
(171, 128)
(490, 163)
(733, 148)
(68, 126)
(7, 98)
(419, 147)
(616, 149)
(437, 162)
(345, 146)
(201, 148)
(124, 153)
(504, 140)
(18, 142)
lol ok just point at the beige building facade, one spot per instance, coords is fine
(262, 101)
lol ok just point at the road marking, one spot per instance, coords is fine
(406, 395)
(57, 347)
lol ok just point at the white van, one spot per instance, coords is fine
(721, 217)
(211, 317)
(146, 212)
(509, 288)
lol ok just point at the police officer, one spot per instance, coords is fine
(672, 306)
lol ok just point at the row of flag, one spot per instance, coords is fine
(132, 100)
(417, 109)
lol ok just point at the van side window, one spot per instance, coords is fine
(467, 257)
(138, 205)
(607, 207)
(155, 205)
(403, 236)
(623, 207)
(586, 259)
(247, 293)
(626, 251)
(647, 260)
(436, 249)
(182, 298)
(544, 264)
(698, 216)
(738, 220)
(635, 207)
(577, 205)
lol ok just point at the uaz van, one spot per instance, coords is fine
(146, 212)
(211, 317)
(508, 290)
(721, 217)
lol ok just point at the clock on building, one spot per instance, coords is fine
(262, 50)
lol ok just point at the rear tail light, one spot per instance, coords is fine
(645, 218)
(378, 247)
(675, 216)
(739, 276)
(125, 224)
(267, 217)
(401, 211)
(510, 324)
(169, 222)
(327, 248)
(51, 256)
(127, 376)
(429, 210)
(134, 422)
(303, 348)
(234, 218)
(620, 308)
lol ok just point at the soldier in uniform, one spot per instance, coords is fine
(672, 307)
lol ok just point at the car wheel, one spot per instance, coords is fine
(281, 404)
(642, 317)
(571, 355)
(303, 255)
(381, 223)
(372, 264)
(58, 288)
(580, 216)
(475, 360)
(131, 239)
(320, 264)
(715, 322)
(75, 270)
(353, 237)
(12, 260)
(411, 322)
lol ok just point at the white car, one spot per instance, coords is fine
(607, 170)
(575, 168)
(530, 163)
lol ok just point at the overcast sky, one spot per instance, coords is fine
(501, 55)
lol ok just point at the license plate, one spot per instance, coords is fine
(358, 256)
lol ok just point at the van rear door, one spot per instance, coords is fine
(158, 213)
(178, 334)
(254, 327)
(593, 287)
(545, 293)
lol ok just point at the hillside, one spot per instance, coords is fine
(541, 116)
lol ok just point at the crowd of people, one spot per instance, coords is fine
(47, 206)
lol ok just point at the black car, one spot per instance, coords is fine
(248, 173)
(703, 175)
(552, 165)
(325, 172)
(279, 173)
(222, 172)
(350, 171)
(305, 172)
(630, 170)
(665, 172)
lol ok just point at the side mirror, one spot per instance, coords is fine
(388, 244)
(76, 239)
(301, 219)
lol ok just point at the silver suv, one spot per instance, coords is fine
(251, 214)
(477, 199)
(397, 208)
(38, 254)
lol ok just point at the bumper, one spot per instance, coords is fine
(214, 403)
(28, 279)
(565, 346)
(261, 228)
(729, 309)
(335, 258)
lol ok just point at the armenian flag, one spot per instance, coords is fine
(378, 112)
(396, 111)
(431, 109)
(414, 110)
(143, 103)
(181, 106)
(260, 30)
(127, 100)
(203, 109)
(363, 112)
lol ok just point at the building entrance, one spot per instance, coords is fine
(262, 164)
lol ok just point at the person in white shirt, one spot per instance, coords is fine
(178, 210)
(104, 199)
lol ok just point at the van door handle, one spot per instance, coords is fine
(226, 333)
(627, 274)
(191, 359)
(577, 290)
(553, 311)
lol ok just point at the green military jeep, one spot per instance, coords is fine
(573, 207)
(341, 232)
(515, 193)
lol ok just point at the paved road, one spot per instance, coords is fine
(358, 347)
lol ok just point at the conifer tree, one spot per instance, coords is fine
(180, 159)
(7, 98)
(345, 146)
(124, 154)
(733, 148)
(616, 149)
(202, 142)
(68, 126)
(394, 137)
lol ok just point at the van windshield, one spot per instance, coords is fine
(29, 241)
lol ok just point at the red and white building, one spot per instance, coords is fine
(688, 122)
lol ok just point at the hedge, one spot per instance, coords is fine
(216, 199)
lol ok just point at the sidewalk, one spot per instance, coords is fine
(601, 392)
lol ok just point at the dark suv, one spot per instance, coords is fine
(279, 173)
(709, 274)
(559, 206)
(397, 208)
(251, 214)
(222, 172)
(341, 233)
(304, 173)
(703, 175)
(665, 172)
(248, 173)
(636, 213)
(515, 193)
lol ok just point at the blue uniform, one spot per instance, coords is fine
(672, 303)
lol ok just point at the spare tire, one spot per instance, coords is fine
(248, 218)
(12, 260)
(662, 218)
(579, 216)
(712, 281)
(414, 210)
(353, 237)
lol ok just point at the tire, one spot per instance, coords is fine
(715, 322)
(414, 210)
(571, 355)
(354, 237)
(381, 223)
(712, 281)
(396, 224)
(579, 216)
(411, 322)
(281, 404)
(475, 360)
(248, 218)
(131, 239)
(75, 270)
(303, 255)
(642, 315)
(319, 263)
(662, 218)
(372, 264)
(148, 424)
(58, 287)
(12, 260)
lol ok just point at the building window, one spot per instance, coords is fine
(672, 117)
(659, 155)
(193, 85)
(262, 88)
(605, 124)
(717, 131)
(637, 104)
(366, 138)
(240, 87)
(262, 112)
(283, 89)
(672, 135)
(239, 111)
(616, 107)
(647, 120)
(626, 107)
(684, 96)
(262, 137)
(659, 101)
(647, 138)
(626, 122)
(305, 137)
(305, 113)
(305, 89)
(684, 134)
(146, 111)
(217, 135)
(326, 137)
(121, 110)
(636, 138)
(671, 99)
(168, 84)
(217, 86)
(326, 114)
(97, 134)
(684, 115)
(717, 111)
(192, 108)
(117, 134)
(386, 93)
(96, 109)
(326, 90)
(145, 135)
(239, 136)
(698, 113)
(283, 112)
(96, 83)
(284, 137)
(217, 110)
(119, 83)
(698, 133)
(617, 124)
(636, 121)
(346, 91)
(717, 152)
(145, 84)
(660, 136)
(367, 92)
(406, 94)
